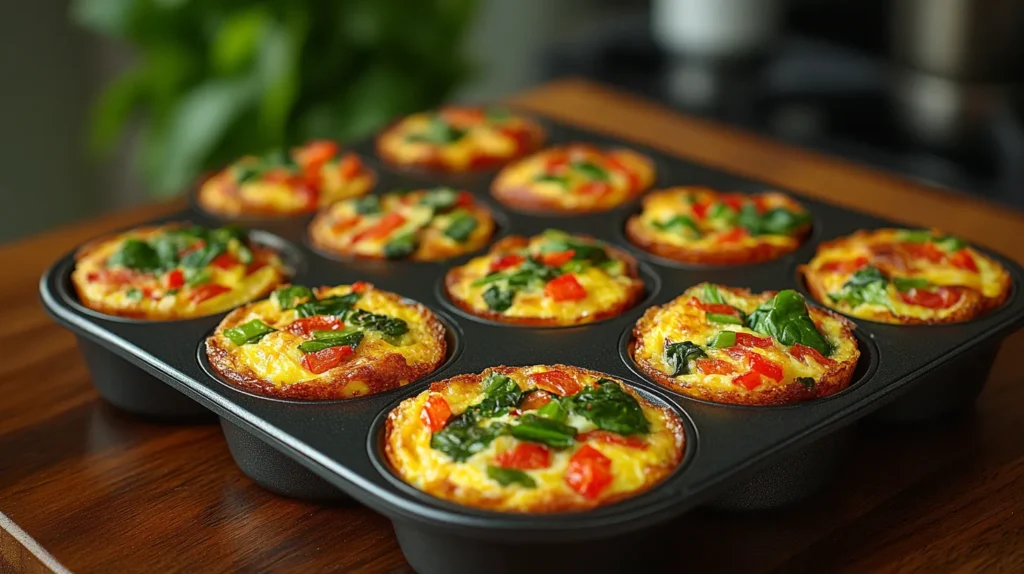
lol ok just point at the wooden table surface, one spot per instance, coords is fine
(87, 488)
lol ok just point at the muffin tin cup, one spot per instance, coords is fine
(737, 458)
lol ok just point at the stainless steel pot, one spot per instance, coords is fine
(966, 40)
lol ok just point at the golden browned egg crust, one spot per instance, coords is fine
(280, 185)
(328, 343)
(575, 178)
(550, 279)
(174, 271)
(459, 139)
(533, 440)
(729, 345)
(906, 276)
(702, 226)
(420, 225)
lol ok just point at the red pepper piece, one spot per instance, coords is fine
(589, 472)
(506, 261)
(565, 288)
(305, 327)
(749, 381)
(435, 413)
(525, 456)
(208, 291)
(326, 359)
(802, 351)
(612, 438)
(557, 258)
(556, 382)
(941, 298)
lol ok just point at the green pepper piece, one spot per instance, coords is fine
(904, 284)
(591, 170)
(723, 340)
(507, 476)
(461, 226)
(251, 332)
(550, 432)
(554, 411)
(286, 297)
(723, 319)
(401, 246)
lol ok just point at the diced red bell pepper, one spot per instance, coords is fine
(557, 382)
(175, 279)
(111, 276)
(597, 188)
(700, 209)
(317, 153)
(720, 308)
(941, 298)
(464, 116)
(305, 327)
(208, 291)
(555, 161)
(714, 367)
(589, 472)
(535, 400)
(361, 286)
(845, 266)
(565, 288)
(749, 381)
(802, 351)
(522, 137)
(326, 359)
(617, 165)
(612, 438)
(926, 251)
(465, 199)
(506, 261)
(435, 413)
(342, 225)
(283, 176)
(732, 236)
(748, 340)
(557, 258)
(758, 363)
(224, 261)
(308, 195)
(759, 203)
(349, 167)
(382, 228)
(734, 201)
(525, 456)
(964, 260)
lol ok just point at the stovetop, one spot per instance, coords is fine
(812, 93)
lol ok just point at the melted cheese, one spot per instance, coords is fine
(483, 138)
(277, 359)
(433, 471)
(680, 320)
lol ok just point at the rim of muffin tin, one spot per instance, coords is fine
(293, 258)
(658, 498)
(652, 288)
(453, 350)
(812, 239)
(800, 285)
(502, 229)
(863, 371)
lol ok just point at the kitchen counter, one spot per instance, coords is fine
(90, 489)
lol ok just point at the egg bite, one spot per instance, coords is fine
(281, 184)
(906, 276)
(729, 345)
(703, 226)
(459, 139)
(419, 225)
(547, 280)
(575, 178)
(174, 271)
(327, 343)
(533, 439)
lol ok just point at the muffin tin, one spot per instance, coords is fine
(736, 457)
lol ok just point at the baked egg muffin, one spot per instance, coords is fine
(575, 178)
(532, 440)
(550, 279)
(459, 139)
(327, 343)
(286, 184)
(420, 225)
(174, 271)
(906, 276)
(729, 345)
(700, 225)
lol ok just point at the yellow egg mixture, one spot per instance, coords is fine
(680, 320)
(435, 472)
(277, 359)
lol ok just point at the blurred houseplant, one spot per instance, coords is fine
(216, 79)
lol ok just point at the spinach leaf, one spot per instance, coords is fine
(196, 276)
(461, 226)
(286, 297)
(133, 294)
(723, 212)
(367, 205)
(679, 355)
(203, 256)
(591, 170)
(776, 221)
(500, 394)
(904, 284)
(610, 408)
(388, 326)
(711, 295)
(950, 243)
(247, 333)
(401, 246)
(554, 411)
(867, 285)
(679, 224)
(462, 438)
(326, 339)
(558, 241)
(338, 305)
(438, 132)
(547, 431)
(507, 476)
(440, 198)
(498, 298)
(549, 178)
(137, 255)
(785, 318)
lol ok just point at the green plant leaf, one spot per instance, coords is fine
(110, 17)
(236, 41)
(114, 108)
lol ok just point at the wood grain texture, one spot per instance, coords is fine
(104, 492)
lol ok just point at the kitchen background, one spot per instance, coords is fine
(926, 88)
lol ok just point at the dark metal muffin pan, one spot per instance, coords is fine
(738, 458)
